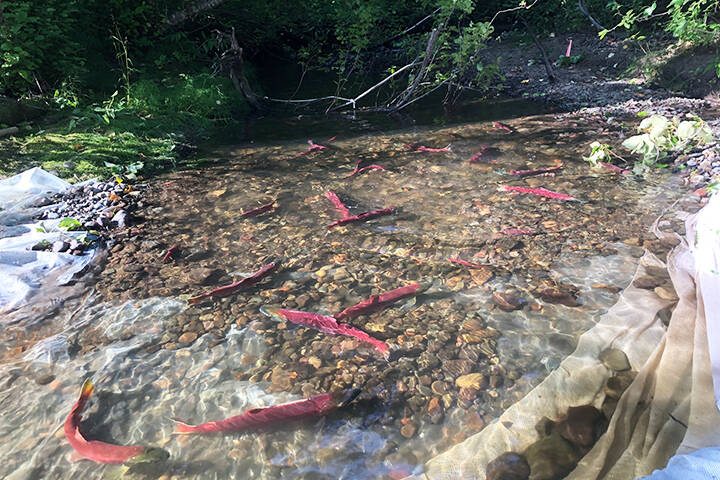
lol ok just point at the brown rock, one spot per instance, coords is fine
(615, 359)
(508, 466)
(439, 387)
(408, 430)
(496, 380)
(467, 394)
(476, 381)
(474, 331)
(45, 379)
(314, 361)
(435, 410)
(481, 276)
(281, 380)
(187, 337)
(551, 458)
(507, 301)
(457, 368)
(508, 243)
(605, 286)
(647, 282)
(202, 275)
(581, 426)
(666, 293)
(474, 421)
(455, 283)
(608, 407)
(560, 296)
(302, 300)
(616, 386)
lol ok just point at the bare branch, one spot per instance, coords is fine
(423, 68)
(178, 17)
(421, 96)
(374, 87)
(514, 9)
(548, 67)
(585, 12)
(348, 101)
(410, 29)
(231, 62)
(308, 100)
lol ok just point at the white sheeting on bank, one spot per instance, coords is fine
(670, 408)
(706, 249)
(25, 272)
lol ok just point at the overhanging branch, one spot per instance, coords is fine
(585, 12)
(180, 16)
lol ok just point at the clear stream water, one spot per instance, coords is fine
(447, 208)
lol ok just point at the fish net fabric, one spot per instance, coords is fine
(669, 408)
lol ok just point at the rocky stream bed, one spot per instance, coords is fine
(472, 344)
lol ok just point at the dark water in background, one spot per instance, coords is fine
(280, 79)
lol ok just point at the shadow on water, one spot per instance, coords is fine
(289, 125)
(285, 80)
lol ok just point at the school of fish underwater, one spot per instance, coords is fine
(385, 293)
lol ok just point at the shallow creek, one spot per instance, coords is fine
(154, 358)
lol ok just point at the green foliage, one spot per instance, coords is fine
(69, 224)
(695, 20)
(599, 152)
(468, 41)
(87, 155)
(200, 96)
(38, 44)
(660, 135)
(564, 61)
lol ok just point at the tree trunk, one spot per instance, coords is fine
(231, 61)
(423, 68)
(546, 61)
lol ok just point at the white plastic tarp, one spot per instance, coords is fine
(25, 272)
(706, 250)
(20, 193)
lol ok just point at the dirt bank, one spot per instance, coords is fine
(608, 71)
(611, 83)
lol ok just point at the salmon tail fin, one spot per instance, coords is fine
(393, 352)
(348, 397)
(183, 428)
(87, 389)
(194, 300)
(272, 313)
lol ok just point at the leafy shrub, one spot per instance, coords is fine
(599, 152)
(658, 136)
(661, 135)
(38, 44)
(200, 95)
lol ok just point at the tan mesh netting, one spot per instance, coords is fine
(669, 408)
